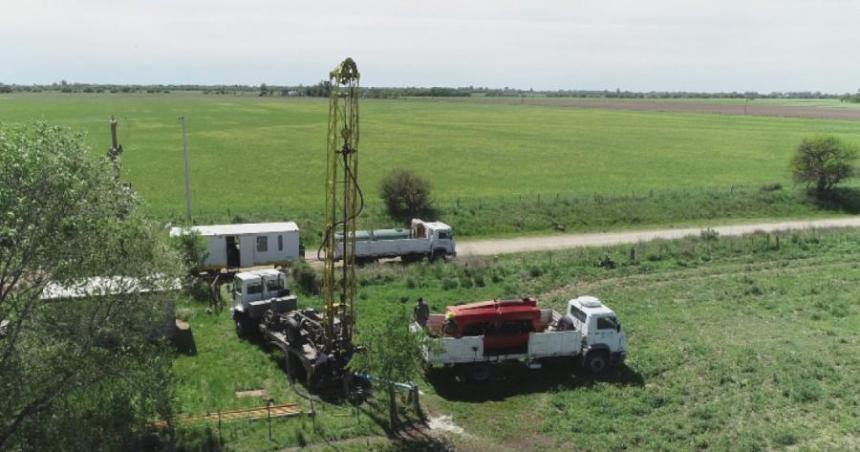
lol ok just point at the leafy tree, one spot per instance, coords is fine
(192, 250)
(823, 161)
(391, 354)
(406, 194)
(81, 370)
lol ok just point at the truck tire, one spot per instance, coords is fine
(242, 326)
(597, 361)
(479, 372)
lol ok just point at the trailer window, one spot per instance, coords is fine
(255, 288)
(262, 244)
(606, 323)
(280, 243)
(577, 314)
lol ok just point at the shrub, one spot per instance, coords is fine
(606, 262)
(198, 289)
(823, 161)
(406, 194)
(709, 235)
(192, 250)
(479, 280)
(450, 283)
(305, 278)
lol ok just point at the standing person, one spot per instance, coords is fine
(421, 312)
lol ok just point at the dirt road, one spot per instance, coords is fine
(558, 242)
(492, 247)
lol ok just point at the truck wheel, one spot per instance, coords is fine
(479, 372)
(597, 362)
(241, 326)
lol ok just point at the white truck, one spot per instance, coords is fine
(474, 338)
(430, 239)
(254, 292)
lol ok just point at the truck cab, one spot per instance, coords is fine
(253, 292)
(603, 339)
(440, 235)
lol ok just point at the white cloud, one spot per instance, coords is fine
(638, 45)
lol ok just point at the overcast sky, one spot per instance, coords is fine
(718, 45)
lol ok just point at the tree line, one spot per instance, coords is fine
(323, 89)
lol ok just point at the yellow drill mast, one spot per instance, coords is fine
(344, 202)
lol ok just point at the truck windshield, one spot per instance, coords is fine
(274, 284)
(255, 288)
(577, 313)
(607, 323)
(444, 234)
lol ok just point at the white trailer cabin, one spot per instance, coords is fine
(232, 246)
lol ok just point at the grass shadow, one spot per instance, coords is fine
(411, 434)
(330, 392)
(515, 379)
(841, 199)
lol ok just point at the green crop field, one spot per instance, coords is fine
(747, 343)
(262, 158)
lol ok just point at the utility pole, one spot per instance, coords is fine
(185, 156)
(115, 149)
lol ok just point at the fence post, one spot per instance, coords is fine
(220, 438)
(269, 416)
(416, 404)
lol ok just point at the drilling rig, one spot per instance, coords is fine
(344, 202)
(318, 345)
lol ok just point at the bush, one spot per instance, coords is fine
(192, 250)
(406, 194)
(479, 280)
(305, 278)
(823, 161)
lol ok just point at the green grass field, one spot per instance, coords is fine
(746, 343)
(262, 158)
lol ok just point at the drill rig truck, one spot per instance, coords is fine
(473, 339)
(317, 343)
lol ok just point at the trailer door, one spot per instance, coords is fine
(247, 245)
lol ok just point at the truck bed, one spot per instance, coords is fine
(550, 342)
(388, 248)
(469, 349)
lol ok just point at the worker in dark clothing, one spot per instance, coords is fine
(421, 312)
